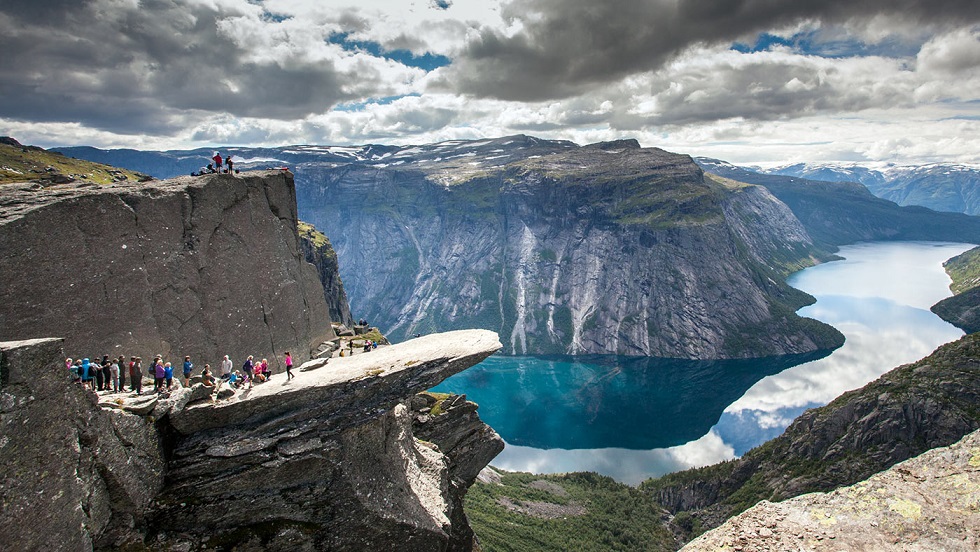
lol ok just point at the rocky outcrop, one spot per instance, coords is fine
(326, 461)
(609, 248)
(200, 266)
(963, 308)
(909, 410)
(927, 503)
(318, 252)
(74, 476)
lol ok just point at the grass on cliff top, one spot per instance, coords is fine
(580, 511)
(964, 270)
(317, 238)
(29, 163)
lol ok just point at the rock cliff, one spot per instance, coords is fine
(927, 503)
(963, 308)
(319, 253)
(609, 248)
(200, 266)
(326, 461)
(909, 410)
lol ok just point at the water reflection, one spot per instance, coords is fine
(600, 401)
(604, 406)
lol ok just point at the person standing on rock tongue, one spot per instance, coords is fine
(289, 366)
(188, 366)
(226, 366)
(229, 163)
(217, 161)
(159, 375)
(247, 367)
(135, 378)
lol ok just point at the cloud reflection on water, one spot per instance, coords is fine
(878, 298)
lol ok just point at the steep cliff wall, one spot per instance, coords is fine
(609, 248)
(327, 461)
(200, 266)
(319, 252)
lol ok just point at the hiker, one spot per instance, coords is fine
(226, 366)
(188, 366)
(106, 372)
(114, 375)
(121, 362)
(76, 371)
(248, 366)
(289, 366)
(159, 375)
(217, 162)
(136, 375)
(265, 368)
(228, 162)
(168, 375)
(206, 377)
(97, 373)
(84, 371)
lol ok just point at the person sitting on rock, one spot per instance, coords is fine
(265, 368)
(206, 378)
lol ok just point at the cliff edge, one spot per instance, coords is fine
(326, 461)
(201, 266)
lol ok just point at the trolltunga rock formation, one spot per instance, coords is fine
(200, 266)
(326, 461)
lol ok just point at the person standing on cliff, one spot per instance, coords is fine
(159, 375)
(289, 366)
(188, 366)
(228, 162)
(226, 366)
(121, 362)
(247, 367)
(217, 161)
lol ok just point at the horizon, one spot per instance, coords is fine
(757, 84)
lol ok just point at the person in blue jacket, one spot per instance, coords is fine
(168, 374)
(188, 366)
(86, 373)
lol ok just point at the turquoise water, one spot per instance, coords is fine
(634, 418)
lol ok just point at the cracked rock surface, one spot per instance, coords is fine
(200, 266)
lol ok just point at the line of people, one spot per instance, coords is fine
(216, 164)
(110, 374)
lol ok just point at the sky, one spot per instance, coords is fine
(750, 81)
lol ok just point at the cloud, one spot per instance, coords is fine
(156, 66)
(566, 47)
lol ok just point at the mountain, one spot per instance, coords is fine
(609, 248)
(837, 213)
(938, 186)
(963, 308)
(20, 163)
(907, 411)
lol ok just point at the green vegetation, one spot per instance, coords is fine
(581, 511)
(29, 163)
(964, 270)
(317, 238)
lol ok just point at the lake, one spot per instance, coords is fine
(635, 418)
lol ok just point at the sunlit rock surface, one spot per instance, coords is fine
(326, 461)
(931, 502)
(200, 266)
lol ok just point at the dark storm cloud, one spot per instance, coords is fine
(147, 68)
(569, 46)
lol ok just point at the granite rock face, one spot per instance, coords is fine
(201, 266)
(326, 461)
(74, 477)
(608, 248)
(931, 502)
(319, 252)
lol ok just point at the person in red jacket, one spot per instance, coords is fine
(217, 161)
